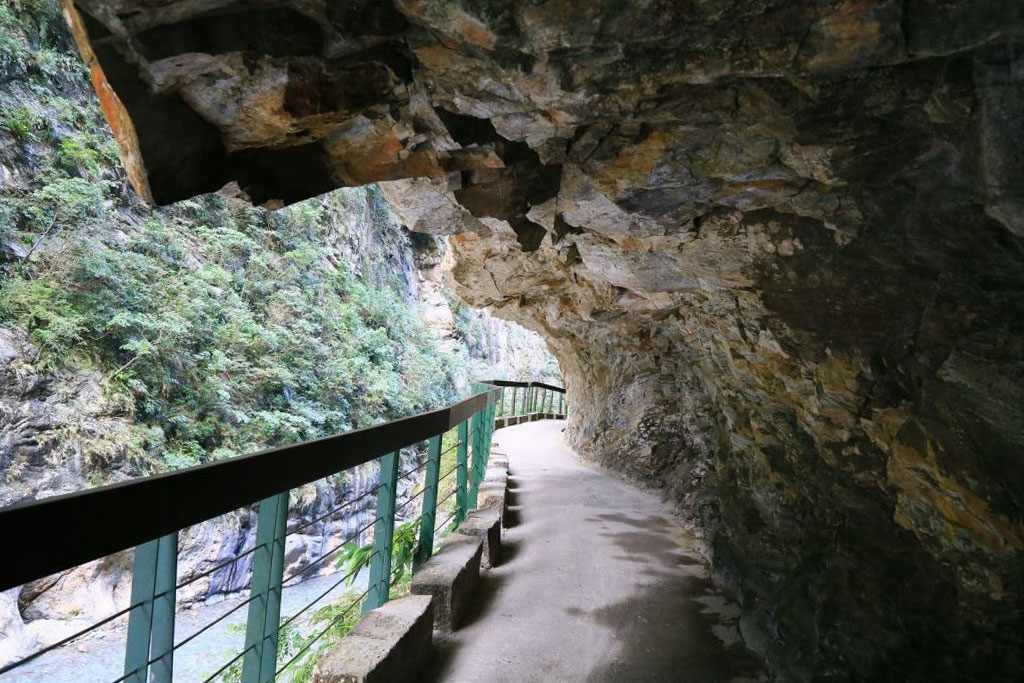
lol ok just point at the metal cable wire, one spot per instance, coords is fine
(321, 596)
(320, 635)
(204, 574)
(448, 473)
(441, 527)
(236, 558)
(330, 552)
(210, 625)
(285, 583)
(65, 641)
(126, 610)
(233, 660)
(445, 499)
(398, 575)
(332, 511)
(419, 467)
(227, 562)
(234, 609)
(414, 497)
(137, 669)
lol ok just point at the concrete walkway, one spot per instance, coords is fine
(598, 584)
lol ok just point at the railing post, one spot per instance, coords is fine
(151, 624)
(475, 429)
(561, 397)
(163, 610)
(515, 391)
(487, 444)
(462, 472)
(261, 637)
(140, 621)
(425, 547)
(484, 441)
(383, 534)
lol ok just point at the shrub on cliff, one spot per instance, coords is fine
(232, 328)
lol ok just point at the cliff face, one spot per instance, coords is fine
(777, 248)
(284, 321)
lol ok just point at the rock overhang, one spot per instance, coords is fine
(777, 247)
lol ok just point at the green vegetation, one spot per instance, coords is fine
(353, 559)
(213, 328)
(229, 328)
(303, 642)
(19, 122)
(300, 647)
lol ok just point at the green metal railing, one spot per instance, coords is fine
(523, 401)
(149, 513)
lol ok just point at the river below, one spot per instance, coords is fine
(100, 657)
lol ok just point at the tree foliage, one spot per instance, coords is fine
(232, 328)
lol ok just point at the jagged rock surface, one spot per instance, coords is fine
(776, 246)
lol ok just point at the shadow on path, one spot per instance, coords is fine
(598, 582)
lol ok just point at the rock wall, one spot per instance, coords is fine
(777, 248)
(492, 347)
(66, 429)
(66, 423)
(70, 428)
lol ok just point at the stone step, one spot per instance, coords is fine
(485, 524)
(389, 643)
(496, 474)
(493, 495)
(450, 576)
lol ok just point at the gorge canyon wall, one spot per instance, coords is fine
(777, 247)
(76, 412)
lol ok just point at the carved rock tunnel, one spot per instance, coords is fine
(777, 248)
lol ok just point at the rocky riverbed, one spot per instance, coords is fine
(101, 657)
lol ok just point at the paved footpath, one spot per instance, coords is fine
(599, 583)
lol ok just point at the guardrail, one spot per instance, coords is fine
(148, 514)
(527, 401)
